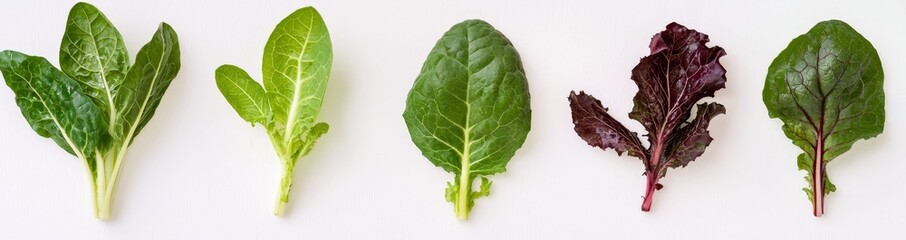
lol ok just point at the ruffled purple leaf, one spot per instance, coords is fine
(679, 72)
(599, 129)
(690, 140)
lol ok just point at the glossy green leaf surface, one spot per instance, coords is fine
(52, 103)
(155, 67)
(469, 109)
(93, 53)
(95, 106)
(827, 88)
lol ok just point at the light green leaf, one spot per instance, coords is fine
(469, 109)
(297, 61)
(155, 67)
(53, 103)
(312, 135)
(245, 95)
(93, 53)
(827, 87)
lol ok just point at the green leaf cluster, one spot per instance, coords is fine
(96, 103)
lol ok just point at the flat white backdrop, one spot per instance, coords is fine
(198, 171)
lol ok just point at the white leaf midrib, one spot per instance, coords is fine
(291, 116)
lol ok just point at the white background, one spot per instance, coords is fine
(198, 171)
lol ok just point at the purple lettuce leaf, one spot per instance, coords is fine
(679, 72)
(599, 129)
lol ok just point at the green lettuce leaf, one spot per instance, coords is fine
(245, 95)
(297, 60)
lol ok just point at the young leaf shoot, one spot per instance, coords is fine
(297, 59)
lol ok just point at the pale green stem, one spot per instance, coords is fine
(465, 179)
(462, 202)
(91, 180)
(103, 211)
(286, 183)
(108, 185)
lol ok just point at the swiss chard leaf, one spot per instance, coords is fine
(93, 53)
(97, 103)
(469, 109)
(155, 67)
(827, 88)
(679, 72)
(297, 60)
(53, 103)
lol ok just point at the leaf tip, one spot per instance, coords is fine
(80, 5)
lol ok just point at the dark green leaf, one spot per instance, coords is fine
(469, 109)
(155, 67)
(827, 88)
(93, 53)
(52, 103)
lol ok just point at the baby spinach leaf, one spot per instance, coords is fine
(97, 103)
(297, 60)
(469, 109)
(680, 71)
(827, 87)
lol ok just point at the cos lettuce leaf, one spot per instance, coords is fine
(679, 72)
(297, 60)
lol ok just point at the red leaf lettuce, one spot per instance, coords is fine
(679, 72)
